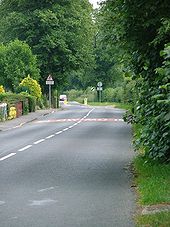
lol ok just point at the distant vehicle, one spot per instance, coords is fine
(63, 97)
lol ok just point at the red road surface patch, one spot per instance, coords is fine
(84, 120)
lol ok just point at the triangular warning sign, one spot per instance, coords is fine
(49, 78)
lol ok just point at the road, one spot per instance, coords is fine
(67, 169)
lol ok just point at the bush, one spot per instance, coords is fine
(152, 113)
(29, 101)
(113, 95)
(79, 95)
(122, 94)
(74, 94)
(31, 86)
(2, 90)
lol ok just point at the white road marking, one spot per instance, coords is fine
(2, 202)
(48, 137)
(7, 156)
(25, 148)
(65, 129)
(84, 119)
(42, 202)
(57, 133)
(39, 141)
(47, 189)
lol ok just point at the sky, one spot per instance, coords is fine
(94, 2)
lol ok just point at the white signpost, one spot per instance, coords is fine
(99, 89)
(99, 84)
(49, 82)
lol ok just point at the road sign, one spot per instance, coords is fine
(49, 78)
(49, 82)
(99, 84)
(99, 89)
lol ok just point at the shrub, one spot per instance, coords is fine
(31, 86)
(113, 94)
(152, 112)
(29, 101)
(2, 90)
(79, 95)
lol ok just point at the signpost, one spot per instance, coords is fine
(92, 89)
(49, 82)
(99, 89)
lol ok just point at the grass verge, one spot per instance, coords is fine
(155, 220)
(153, 185)
(112, 104)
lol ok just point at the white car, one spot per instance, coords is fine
(63, 97)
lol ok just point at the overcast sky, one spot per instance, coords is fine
(94, 2)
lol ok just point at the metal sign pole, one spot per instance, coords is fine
(50, 96)
(100, 95)
(99, 89)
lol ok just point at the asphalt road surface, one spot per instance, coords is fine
(67, 169)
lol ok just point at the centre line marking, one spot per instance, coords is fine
(7, 156)
(57, 133)
(25, 148)
(48, 137)
(39, 141)
(65, 129)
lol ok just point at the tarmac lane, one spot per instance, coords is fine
(67, 173)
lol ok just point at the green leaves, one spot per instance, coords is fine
(138, 31)
(16, 61)
(32, 86)
(60, 33)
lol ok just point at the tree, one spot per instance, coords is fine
(59, 32)
(109, 65)
(141, 29)
(16, 61)
(2, 64)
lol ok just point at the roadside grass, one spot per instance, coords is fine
(155, 220)
(153, 188)
(153, 181)
(112, 104)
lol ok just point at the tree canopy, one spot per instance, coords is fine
(139, 31)
(59, 32)
(16, 61)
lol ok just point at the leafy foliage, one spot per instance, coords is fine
(16, 61)
(140, 30)
(60, 33)
(2, 90)
(156, 131)
(29, 102)
(122, 94)
(31, 86)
